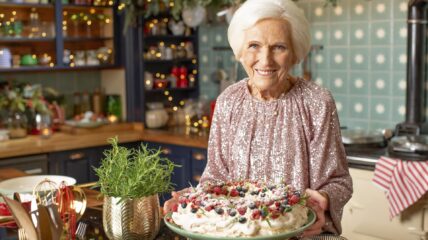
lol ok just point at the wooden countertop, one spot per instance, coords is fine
(126, 132)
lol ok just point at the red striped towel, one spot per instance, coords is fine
(404, 182)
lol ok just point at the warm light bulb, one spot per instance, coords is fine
(166, 93)
(175, 108)
(170, 98)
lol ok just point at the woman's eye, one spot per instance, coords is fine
(279, 47)
(253, 45)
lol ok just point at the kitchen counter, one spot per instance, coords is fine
(132, 132)
(75, 139)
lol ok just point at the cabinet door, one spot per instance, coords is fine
(366, 215)
(199, 161)
(180, 156)
(74, 163)
(35, 164)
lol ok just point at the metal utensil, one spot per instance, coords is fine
(81, 230)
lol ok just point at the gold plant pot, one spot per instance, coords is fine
(131, 218)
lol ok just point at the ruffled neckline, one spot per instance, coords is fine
(283, 96)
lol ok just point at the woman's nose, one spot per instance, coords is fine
(266, 57)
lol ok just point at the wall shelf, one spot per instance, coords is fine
(29, 69)
(26, 5)
(171, 90)
(76, 39)
(25, 40)
(173, 61)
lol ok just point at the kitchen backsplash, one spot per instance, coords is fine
(362, 60)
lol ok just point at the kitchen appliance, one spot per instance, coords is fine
(410, 141)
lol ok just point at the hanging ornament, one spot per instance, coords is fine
(194, 16)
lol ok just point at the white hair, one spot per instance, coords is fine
(252, 11)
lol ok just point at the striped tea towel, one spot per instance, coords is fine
(404, 182)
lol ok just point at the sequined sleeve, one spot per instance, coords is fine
(328, 163)
(216, 169)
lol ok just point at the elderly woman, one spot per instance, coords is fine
(273, 126)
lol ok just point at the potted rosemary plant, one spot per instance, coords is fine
(130, 180)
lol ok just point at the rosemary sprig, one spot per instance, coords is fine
(133, 173)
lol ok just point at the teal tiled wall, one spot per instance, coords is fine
(363, 60)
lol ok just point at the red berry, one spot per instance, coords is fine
(256, 214)
(242, 210)
(175, 207)
(234, 193)
(293, 200)
(209, 208)
(217, 190)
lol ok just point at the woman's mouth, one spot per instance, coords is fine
(265, 72)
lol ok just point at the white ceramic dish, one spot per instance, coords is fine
(26, 184)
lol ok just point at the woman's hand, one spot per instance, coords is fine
(169, 205)
(319, 203)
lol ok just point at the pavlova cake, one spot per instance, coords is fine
(241, 209)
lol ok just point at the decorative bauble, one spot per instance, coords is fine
(194, 16)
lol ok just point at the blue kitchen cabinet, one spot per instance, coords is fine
(80, 163)
(192, 162)
(73, 163)
(198, 162)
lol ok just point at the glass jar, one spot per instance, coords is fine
(17, 124)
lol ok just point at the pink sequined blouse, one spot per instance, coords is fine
(295, 138)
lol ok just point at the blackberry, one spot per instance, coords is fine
(252, 205)
(184, 205)
(219, 210)
(232, 212)
(254, 192)
(239, 188)
(194, 210)
(241, 194)
(263, 195)
(242, 219)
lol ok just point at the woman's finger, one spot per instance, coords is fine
(316, 228)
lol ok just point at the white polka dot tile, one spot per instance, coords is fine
(380, 108)
(381, 33)
(380, 83)
(204, 38)
(401, 110)
(318, 13)
(381, 10)
(381, 58)
(359, 83)
(339, 58)
(359, 34)
(359, 58)
(359, 107)
(359, 10)
(339, 34)
(339, 81)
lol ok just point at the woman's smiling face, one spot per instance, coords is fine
(267, 54)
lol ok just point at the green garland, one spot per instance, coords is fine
(148, 8)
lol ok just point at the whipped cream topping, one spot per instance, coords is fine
(241, 209)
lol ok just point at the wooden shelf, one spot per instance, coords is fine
(169, 37)
(80, 6)
(171, 90)
(178, 60)
(25, 39)
(76, 39)
(26, 5)
(30, 69)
